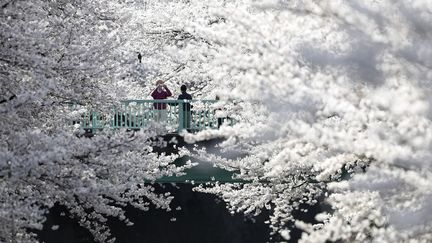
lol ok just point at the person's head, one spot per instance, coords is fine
(159, 82)
(183, 88)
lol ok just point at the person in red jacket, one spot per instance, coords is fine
(160, 93)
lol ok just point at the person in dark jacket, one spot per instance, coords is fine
(139, 57)
(187, 114)
(160, 93)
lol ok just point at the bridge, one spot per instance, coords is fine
(175, 115)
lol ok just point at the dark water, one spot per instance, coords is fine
(202, 218)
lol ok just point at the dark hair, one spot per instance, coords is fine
(183, 88)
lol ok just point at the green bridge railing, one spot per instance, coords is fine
(176, 115)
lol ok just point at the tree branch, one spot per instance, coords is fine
(6, 100)
(7, 4)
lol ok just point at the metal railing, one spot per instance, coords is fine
(175, 115)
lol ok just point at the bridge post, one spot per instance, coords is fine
(181, 114)
(94, 121)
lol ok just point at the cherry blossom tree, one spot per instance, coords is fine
(332, 99)
(342, 103)
(54, 53)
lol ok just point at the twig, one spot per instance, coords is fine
(6, 100)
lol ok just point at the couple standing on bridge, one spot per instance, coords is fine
(162, 92)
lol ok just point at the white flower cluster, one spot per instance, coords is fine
(330, 98)
(342, 102)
